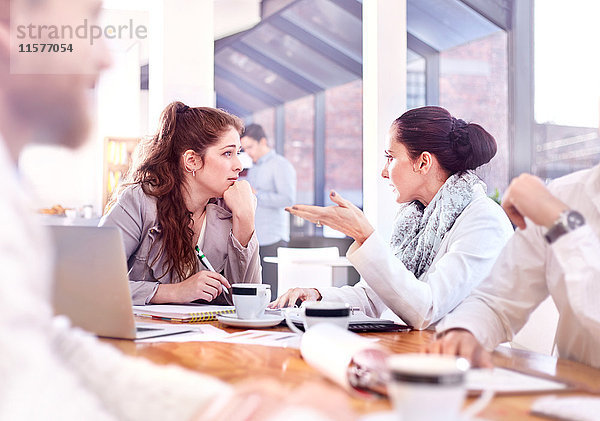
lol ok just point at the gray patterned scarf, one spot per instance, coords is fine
(419, 231)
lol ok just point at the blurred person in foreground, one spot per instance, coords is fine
(273, 179)
(554, 252)
(184, 196)
(48, 369)
(447, 233)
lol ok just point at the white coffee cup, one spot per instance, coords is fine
(426, 387)
(250, 300)
(88, 211)
(314, 312)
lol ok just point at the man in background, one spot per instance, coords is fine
(273, 179)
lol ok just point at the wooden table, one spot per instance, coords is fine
(287, 367)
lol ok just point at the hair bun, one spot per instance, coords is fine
(457, 145)
(459, 136)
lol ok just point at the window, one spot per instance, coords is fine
(474, 87)
(567, 87)
(343, 141)
(415, 81)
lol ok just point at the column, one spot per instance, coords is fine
(384, 100)
(181, 54)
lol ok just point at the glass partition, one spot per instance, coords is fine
(343, 142)
(415, 81)
(474, 87)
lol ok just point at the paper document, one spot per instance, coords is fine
(329, 349)
(501, 381)
(210, 333)
(199, 333)
(358, 316)
(263, 337)
(578, 408)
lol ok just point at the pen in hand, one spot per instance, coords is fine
(206, 263)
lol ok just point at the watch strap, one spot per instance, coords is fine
(568, 221)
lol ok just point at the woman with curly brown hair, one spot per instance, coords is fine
(183, 194)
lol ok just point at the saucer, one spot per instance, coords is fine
(267, 320)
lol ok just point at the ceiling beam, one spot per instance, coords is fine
(354, 7)
(285, 72)
(318, 44)
(246, 86)
(499, 12)
(419, 46)
(231, 106)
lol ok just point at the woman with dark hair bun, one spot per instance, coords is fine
(183, 195)
(458, 146)
(447, 233)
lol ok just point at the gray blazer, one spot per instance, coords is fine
(136, 215)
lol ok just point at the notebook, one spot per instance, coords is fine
(183, 313)
(92, 287)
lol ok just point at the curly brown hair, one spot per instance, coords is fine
(158, 169)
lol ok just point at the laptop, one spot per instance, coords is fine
(92, 287)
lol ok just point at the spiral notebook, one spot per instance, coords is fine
(182, 313)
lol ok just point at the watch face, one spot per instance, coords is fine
(575, 220)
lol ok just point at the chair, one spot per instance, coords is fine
(538, 333)
(293, 272)
(341, 275)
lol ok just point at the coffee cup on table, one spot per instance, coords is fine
(250, 300)
(314, 312)
(426, 387)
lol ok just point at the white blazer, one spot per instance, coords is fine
(464, 259)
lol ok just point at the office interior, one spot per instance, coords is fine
(325, 78)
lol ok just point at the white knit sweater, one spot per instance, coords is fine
(49, 370)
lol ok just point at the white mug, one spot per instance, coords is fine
(314, 312)
(250, 300)
(426, 387)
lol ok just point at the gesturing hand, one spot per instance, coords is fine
(344, 217)
(527, 197)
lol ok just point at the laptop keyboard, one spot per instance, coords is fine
(377, 327)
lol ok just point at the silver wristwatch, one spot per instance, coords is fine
(568, 221)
